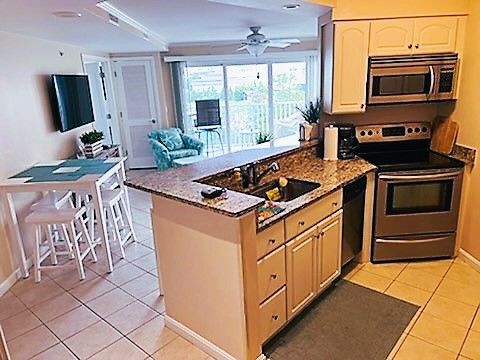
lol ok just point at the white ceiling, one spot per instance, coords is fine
(178, 22)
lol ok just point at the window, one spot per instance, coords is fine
(258, 102)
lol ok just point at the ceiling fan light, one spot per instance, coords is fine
(256, 50)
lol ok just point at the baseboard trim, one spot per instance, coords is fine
(199, 341)
(9, 282)
(473, 261)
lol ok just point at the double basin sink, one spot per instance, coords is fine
(294, 189)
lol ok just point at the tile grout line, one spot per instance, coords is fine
(477, 312)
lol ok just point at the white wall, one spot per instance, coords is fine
(27, 133)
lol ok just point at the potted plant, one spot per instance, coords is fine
(311, 115)
(92, 141)
(263, 138)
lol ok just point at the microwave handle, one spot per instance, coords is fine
(432, 80)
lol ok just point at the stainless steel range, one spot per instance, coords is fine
(417, 192)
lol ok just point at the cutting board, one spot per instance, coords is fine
(444, 135)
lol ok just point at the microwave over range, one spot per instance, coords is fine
(419, 78)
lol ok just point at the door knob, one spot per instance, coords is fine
(154, 121)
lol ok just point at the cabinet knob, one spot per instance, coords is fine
(417, 46)
(362, 106)
(410, 46)
(301, 223)
(275, 317)
(334, 203)
(272, 241)
(273, 276)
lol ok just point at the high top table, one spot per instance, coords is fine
(62, 175)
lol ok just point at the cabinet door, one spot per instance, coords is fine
(329, 245)
(300, 256)
(435, 34)
(350, 66)
(391, 37)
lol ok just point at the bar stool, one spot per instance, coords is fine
(73, 222)
(118, 218)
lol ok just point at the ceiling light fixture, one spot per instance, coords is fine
(114, 16)
(256, 49)
(67, 14)
(291, 6)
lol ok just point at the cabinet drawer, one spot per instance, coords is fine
(271, 273)
(272, 314)
(306, 218)
(270, 239)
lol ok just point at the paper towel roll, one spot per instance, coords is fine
(330, 143)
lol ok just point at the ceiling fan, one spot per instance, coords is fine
(256, 42)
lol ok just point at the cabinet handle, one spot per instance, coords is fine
(410, 46)
(275, 317)
(273, 276)
(362, 106)
(334, 203)
(301, 223)
(272, 241)
(417, 46)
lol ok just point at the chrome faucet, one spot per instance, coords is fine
(250, 173)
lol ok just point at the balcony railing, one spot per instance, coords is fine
(247, 120)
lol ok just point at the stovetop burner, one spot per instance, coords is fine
(400, 147)
(410, 160)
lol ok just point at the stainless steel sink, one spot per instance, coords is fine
(294, 189)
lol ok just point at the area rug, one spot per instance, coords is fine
(347, 322)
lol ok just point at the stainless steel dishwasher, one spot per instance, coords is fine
(353, 213)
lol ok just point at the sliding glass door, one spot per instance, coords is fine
(258, 103)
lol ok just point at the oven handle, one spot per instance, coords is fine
(432, 80)
(412, 241)
(420, 177)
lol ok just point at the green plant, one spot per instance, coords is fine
(263, 137)
(91, 137)
(311, 112)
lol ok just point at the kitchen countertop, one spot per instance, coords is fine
(185, 183)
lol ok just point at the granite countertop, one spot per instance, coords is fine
(300, 162)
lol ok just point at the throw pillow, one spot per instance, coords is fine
(171, 139)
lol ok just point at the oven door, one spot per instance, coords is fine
(417, 202)
(401, 84)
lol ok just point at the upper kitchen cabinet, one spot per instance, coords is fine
(345, 63)
(413, 36)
(435, 35)
(391, 37)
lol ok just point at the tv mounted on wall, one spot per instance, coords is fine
(73, 101)
(208, 113)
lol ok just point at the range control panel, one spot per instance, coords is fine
(393, 132)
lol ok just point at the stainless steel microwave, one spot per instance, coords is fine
(419, 78)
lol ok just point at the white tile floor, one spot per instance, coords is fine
(119, 315)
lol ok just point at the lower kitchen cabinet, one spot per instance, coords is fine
(300, 261)
(273, 314)
(328, 247)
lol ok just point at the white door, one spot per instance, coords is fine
(137, 101)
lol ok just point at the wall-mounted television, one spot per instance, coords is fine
(73, 101)
(208, 113)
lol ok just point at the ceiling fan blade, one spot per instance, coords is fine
(281, 45)
(291, 41)
(244, 47)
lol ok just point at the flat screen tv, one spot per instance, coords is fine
(208, 112)
(73, 101)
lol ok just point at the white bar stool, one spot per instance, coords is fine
(119, 219)
(73, 223)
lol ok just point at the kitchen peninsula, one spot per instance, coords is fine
(231, 281)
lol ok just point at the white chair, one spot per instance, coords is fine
(118, 218)
(73, 223)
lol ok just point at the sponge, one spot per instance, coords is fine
(274, 194)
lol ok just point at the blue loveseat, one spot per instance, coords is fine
(171, 144)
